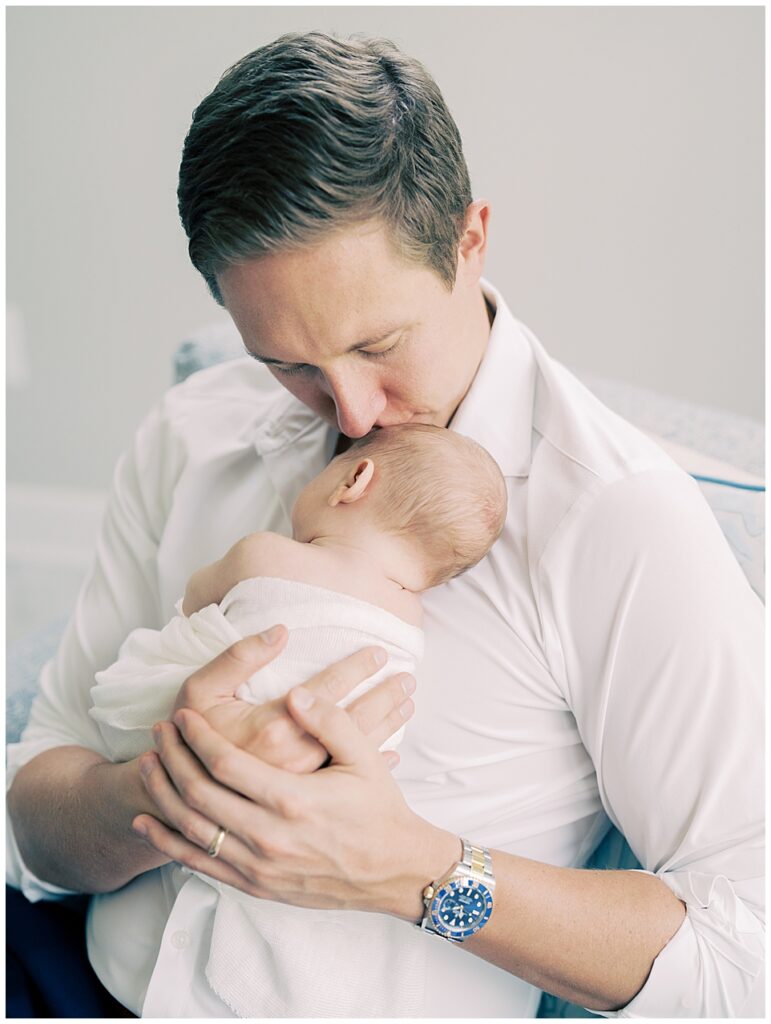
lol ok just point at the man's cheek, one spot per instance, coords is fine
(295, 385)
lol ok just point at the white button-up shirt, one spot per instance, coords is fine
(603, 663)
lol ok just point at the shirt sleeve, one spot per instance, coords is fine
(657, 637)
(119, 594)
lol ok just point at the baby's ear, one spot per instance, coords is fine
(354, 485)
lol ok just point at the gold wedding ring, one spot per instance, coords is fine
(216, 843)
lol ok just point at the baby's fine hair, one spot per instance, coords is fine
(440, 489)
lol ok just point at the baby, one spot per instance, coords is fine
(406, 508)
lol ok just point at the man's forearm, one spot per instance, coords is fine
(72, 811)
(587, 936)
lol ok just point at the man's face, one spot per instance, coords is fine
(361, 336)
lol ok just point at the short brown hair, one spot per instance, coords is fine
(453, 502)
(311, 133)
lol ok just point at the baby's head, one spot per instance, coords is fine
(436, 492)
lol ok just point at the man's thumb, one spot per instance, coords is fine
(220, 678)
(259, 648)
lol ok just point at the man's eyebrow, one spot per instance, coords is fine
(373, 340)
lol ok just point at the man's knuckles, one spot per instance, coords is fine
(224, 673)
(201, 689)
(192, 828)
(322, 715)
(248, 653)
(193, 792)
(188, 694)
(275, 736)
(224, 765)
(273, 847)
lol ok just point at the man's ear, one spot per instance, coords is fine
(355, 484)
(473, 245)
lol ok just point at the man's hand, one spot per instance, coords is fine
(340, 837)
(268, 730)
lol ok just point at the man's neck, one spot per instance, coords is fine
(485, 318)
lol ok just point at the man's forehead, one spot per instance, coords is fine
(350, 290)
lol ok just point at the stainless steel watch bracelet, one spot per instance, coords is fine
(478, 860)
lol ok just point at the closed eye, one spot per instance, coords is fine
(381, 353)
(376, 355)
(291, 369)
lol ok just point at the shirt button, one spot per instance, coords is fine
(180, 940)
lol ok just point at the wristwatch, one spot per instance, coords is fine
(460, 904)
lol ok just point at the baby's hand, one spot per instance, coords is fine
(268, 730)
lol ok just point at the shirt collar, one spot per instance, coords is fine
(496, 412)
(285, 421)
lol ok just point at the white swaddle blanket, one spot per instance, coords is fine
(269, 959)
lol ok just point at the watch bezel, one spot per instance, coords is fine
(447, 887)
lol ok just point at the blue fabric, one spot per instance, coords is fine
(47, 970)
(23, 664)
(729, 483)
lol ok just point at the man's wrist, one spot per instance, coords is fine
(435, 854)
(124, 793)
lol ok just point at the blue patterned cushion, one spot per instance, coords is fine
(737, 440)
(23, 664)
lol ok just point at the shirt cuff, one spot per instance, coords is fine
(713, 964)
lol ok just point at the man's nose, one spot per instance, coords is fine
(358, 398)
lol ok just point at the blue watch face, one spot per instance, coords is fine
(461, 908)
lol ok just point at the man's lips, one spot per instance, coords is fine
(418, 417)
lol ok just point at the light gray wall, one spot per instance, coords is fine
(622, 150)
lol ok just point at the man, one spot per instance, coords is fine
(601, 662)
